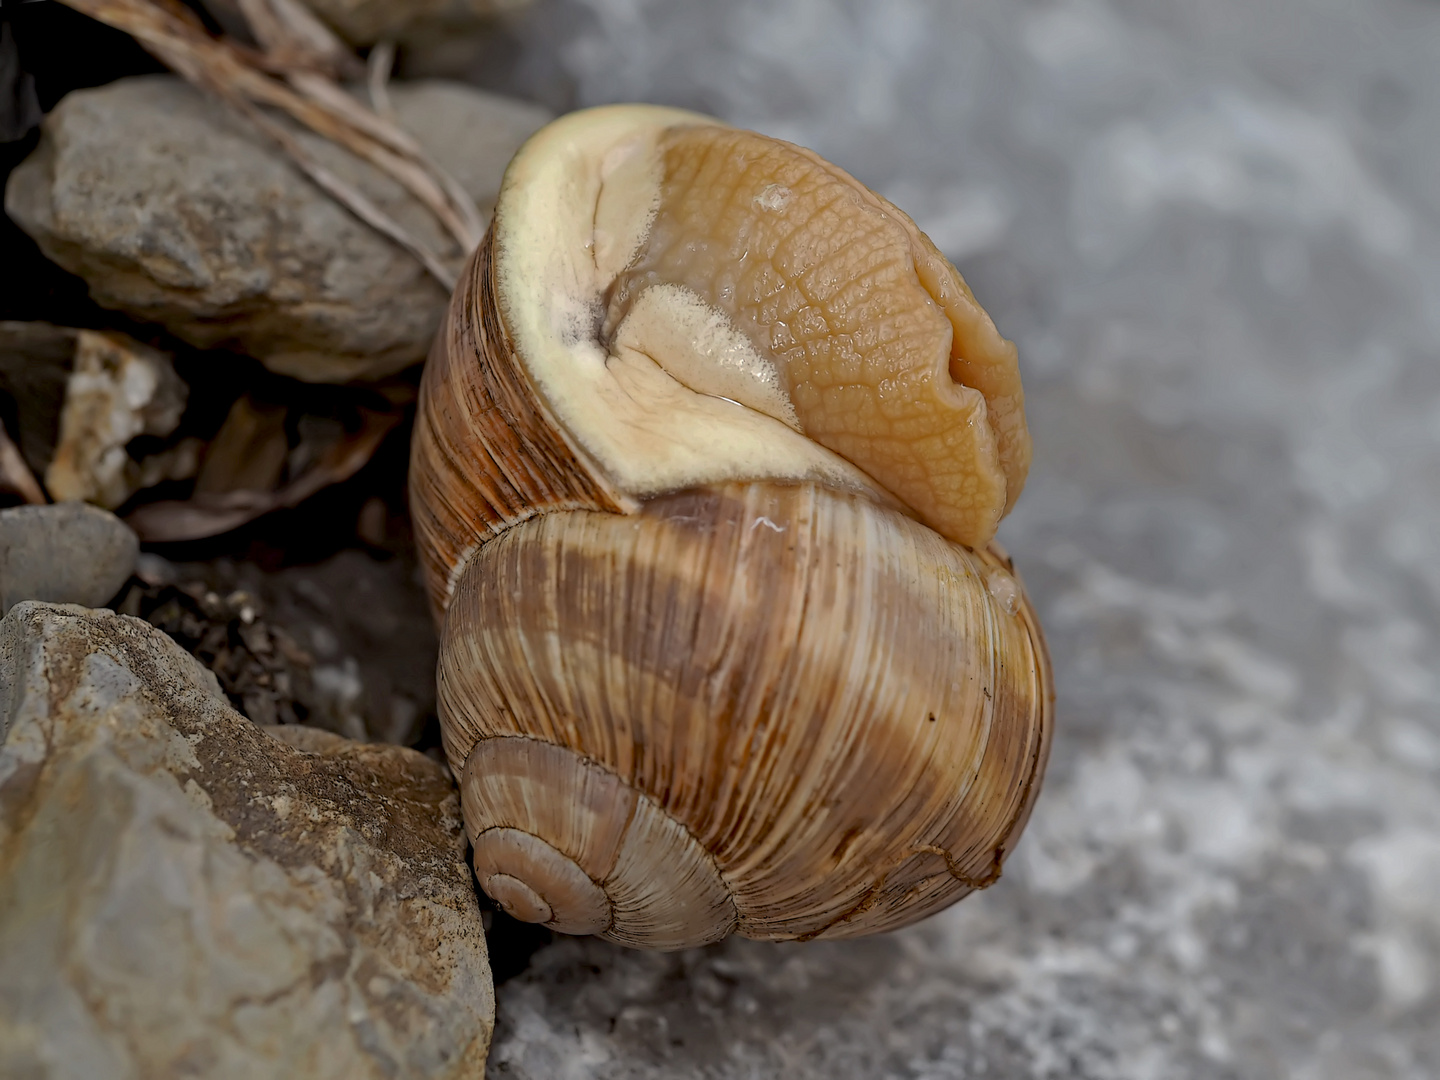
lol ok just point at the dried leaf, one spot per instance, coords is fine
(19, 106)
(35, 363)
(213, 514)
(249, 451)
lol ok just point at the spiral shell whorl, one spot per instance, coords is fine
(813, 703)
(563, 841)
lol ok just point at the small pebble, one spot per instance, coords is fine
(66, 553)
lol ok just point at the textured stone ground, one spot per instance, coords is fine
(1212, 229)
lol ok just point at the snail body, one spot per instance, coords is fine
(709, 456)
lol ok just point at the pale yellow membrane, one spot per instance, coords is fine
(703, 349)
(577, 195)
(874, 338)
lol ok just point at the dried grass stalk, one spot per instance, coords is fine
(379, 64)
(296, 74)
(290, 33)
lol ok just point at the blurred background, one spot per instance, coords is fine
(1214, 232)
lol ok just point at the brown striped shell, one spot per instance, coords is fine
(699, 673)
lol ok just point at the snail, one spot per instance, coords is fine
(709, 456)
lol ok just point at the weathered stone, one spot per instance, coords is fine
(183, 895)
(81, 396)
(174, 212)
(64, 553)
(118, 389)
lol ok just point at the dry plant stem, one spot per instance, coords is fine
(15, 475)
(289, 33)
(315, 101)
(399, 155)
(380, 64)
(343, 193)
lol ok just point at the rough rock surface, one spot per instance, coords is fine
(81, 397)
(65, 553)
(1214, 231)
(174, 213)
(183, 895)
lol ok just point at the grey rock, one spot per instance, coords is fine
(175, 213)
(182, 894)
(66, 553)
(1214, 231)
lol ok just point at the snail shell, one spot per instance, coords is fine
(726, 646)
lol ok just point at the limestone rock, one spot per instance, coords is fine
(80, 397)
(65, 553)
(183, 895)
(175, 213)
(118, 389)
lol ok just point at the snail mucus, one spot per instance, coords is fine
(710, 453)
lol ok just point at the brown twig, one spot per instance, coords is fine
(247, 81)
(291, 35)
